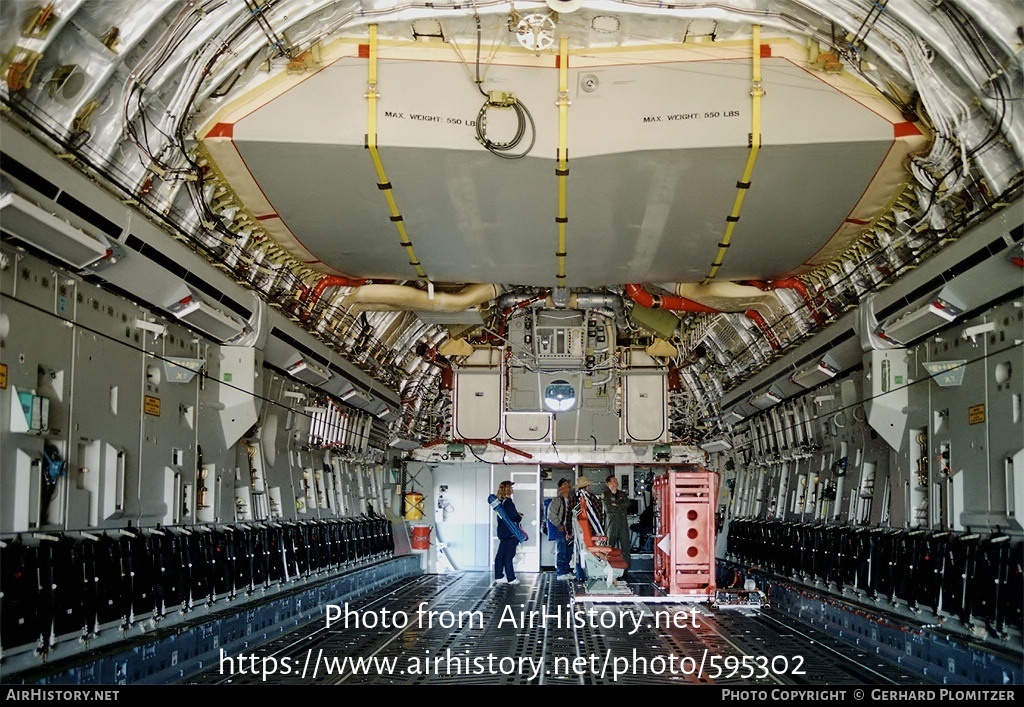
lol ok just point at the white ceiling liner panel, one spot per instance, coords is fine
(656, 146)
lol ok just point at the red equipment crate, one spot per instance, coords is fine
(684, 548)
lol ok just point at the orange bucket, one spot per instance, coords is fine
(421, 537)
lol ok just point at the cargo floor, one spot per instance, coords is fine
(460, 629)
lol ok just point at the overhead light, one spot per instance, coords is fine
(456, 451)
(765, 400)
(820, 372)
(662, 452)
(559, 396)
(195, 311)
(732, 417)
(406, 445)
(716, 445)
(50, 234)
(357, 399)
(308, 372)
(385, 413)
(936, 313)
(564, 6)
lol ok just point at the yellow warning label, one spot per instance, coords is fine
(151, 405)
(975, 414)
(3, 375)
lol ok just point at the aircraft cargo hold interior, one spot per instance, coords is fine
(513, 343)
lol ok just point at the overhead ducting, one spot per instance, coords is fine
(677, 304)
(732, 297)
(402, 298)
(600, 302)
(790, 283)
(310, 302)
(910, 144)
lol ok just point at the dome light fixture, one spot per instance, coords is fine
(564, 5)
(559, 396)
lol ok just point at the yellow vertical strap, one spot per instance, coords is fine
(742, 186)
(562, 168)
(371, 144)
(372, 95)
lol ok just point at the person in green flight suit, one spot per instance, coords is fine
(616, 508)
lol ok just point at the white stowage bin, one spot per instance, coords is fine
(645, 407)
(528, 426)
(477, 413)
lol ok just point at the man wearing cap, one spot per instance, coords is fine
(616, 508)
(593, 502)
(560, 516)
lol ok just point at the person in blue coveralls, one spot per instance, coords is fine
(503, 570)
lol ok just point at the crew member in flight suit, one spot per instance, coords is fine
(616, 508)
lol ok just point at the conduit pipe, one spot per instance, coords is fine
(734, 297)
(392, 298)
(598, 301)
(789, 283)
(676, 304)
(603, 303)
(320, 288)
(511, 302)
(756, 317)
(731, 297)
(758, 306)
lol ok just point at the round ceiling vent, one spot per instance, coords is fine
(67, 81)
(536, 32)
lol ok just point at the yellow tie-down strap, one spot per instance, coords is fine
(756, 92)
(562, 168)
(371, 144)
